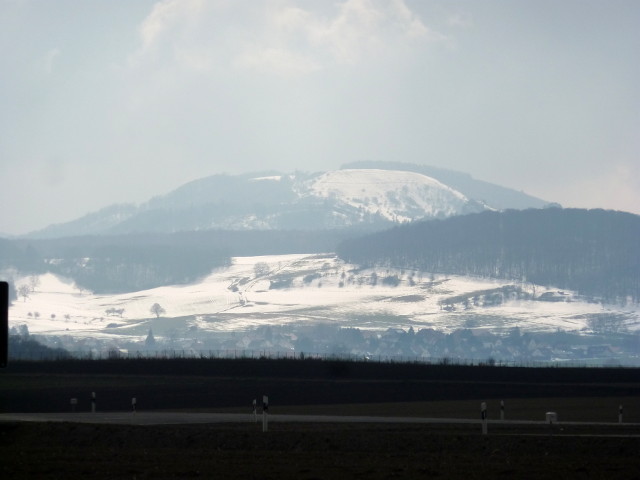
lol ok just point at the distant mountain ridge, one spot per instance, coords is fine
(373, 194)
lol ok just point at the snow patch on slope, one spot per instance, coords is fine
(395, 195)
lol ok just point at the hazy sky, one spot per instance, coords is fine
(112, 101)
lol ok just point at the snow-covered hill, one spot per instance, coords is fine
(271, 200)
(307, 290)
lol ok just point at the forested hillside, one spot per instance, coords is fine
(594, 252)
(126, 263)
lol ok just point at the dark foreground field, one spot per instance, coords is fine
(315, 451)
(303, 451)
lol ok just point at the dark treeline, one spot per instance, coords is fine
(207, 384)
(232, 242)
(594, 252)
(20, 256)
(121, 263)
(21, 346)
(125, 268)
(316, 368)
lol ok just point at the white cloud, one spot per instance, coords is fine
(277, 36)
(412, 24)
(276, 60)
(179, 33)
(363, 29)
(460, 20)
(166, 17)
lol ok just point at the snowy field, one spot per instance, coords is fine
(307, 289)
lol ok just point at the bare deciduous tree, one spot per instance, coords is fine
(24, 291)
(34, 282)
(157, 310)
(261, 269)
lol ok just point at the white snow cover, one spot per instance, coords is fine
(275, 178)
(389, 193)
(310, 289)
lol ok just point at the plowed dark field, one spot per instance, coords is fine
(316, 451)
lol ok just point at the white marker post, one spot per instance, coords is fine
(483, 415)
(502, 410)
(255, 412)
(74, 402)
(619, 413)
(93, 402)
(265, 413)
(134, 403)
(552, 417)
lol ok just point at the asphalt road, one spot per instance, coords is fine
(184, 418)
